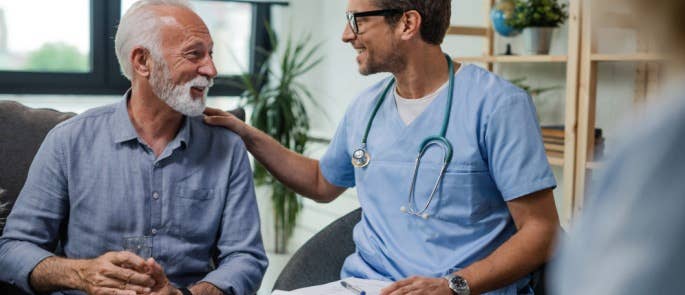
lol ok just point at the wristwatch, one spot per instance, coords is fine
(185, 291)
(458, 284)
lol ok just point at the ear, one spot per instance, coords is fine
(141, 61)
(410, 24)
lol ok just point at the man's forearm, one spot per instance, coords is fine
(522, 254)
(296, 171)
(55, 273)
(204, 288)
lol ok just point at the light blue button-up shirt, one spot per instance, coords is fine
(94, 182)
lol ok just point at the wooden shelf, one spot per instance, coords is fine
(555, 161)
(467, 31)
(514, 58)
(636, 57)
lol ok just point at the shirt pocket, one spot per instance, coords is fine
(186, 192)
(195, 214)
(465, 197)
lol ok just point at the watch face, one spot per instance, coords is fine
(459, 285)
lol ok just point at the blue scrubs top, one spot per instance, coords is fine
(498, 156)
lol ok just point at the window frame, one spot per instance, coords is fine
(105, 77)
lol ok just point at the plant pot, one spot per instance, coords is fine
(538, 39)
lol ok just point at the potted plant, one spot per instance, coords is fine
(538, 19)
(277, 102)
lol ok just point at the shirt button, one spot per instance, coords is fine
(154, 231)
(155, 195)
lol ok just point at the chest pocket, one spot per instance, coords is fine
(186, 192)
(194, 211)
(465, 197)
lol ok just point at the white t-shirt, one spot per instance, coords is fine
(410, 108)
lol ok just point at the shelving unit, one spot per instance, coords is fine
(582, 62)
(514, 59)
(646, 82)
(636, 57)
(571, 60)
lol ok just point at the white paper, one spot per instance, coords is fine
(370, 287)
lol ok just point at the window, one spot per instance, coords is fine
(73, 52)
(27, 48)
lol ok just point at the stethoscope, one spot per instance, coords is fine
(361, 157)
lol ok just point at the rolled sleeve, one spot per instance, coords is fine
(32, 229)
(21, 258)
(241, 259)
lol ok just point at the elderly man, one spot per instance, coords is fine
(145, 170)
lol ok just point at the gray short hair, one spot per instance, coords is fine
(140, 26)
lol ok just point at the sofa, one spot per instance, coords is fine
(22, 130)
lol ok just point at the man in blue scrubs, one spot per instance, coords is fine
(492, 219)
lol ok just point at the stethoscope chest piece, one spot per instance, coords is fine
(360, 158)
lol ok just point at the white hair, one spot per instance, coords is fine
(140, 26)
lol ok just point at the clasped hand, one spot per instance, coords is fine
(123, 273)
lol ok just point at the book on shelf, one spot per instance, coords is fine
(557, 131)
(554, 147)
(552, 131)
(554, 154)
(553, 139)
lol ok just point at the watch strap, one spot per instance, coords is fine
(185, 291)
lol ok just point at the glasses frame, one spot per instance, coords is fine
(352, 16)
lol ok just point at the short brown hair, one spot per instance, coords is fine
(435, 15)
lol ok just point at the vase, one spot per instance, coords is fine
(538, 39)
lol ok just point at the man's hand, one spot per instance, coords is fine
(224, 119)
(162, 286)
(419, 285)
(114, 273)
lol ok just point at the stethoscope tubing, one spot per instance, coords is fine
(361, 157)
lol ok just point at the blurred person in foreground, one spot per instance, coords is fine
(630, 238)
(145, 168)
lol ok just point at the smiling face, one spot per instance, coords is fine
(376, 44)
(183, 72)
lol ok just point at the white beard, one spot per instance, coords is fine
(178, 96)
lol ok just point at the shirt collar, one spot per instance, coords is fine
(122, 126)
(124, 130)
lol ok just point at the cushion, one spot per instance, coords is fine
(22, 130)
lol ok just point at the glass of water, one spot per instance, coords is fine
(141, 246)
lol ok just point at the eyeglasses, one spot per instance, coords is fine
(352, 16)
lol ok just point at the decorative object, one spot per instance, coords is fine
(277, 101)
(500, 14)
(537, 19)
